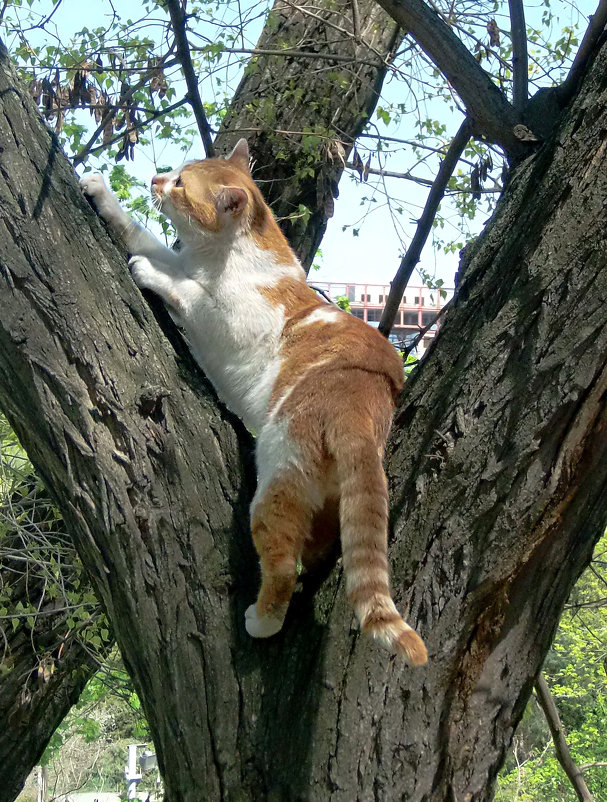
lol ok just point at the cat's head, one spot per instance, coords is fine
(211, 197)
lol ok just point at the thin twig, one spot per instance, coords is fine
(546, 701)
(154, 115)
(355, 19)
(178, 23)
(85, 152)
(411, 258)
(425, 329)
(520, 66)
(425, 182)
(287, 52)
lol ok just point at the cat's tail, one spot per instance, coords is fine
(363, 515)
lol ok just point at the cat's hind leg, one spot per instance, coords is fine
(280, 522)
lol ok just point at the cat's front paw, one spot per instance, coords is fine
(263, 627)
(143, 272)
(93, 186)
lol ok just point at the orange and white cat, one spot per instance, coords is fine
(315, 384)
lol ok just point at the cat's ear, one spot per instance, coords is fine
(240, 156)
(231, 201)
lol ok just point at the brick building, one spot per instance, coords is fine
(418, 308)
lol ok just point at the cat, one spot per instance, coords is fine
(316, 385)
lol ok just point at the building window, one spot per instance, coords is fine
(364, 298)
(373, 315)
(381, 299)
(428, 318)
(359, 313)
(350, 293)
(410, 318)
(419, 301)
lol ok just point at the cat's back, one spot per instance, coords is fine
(317, 336)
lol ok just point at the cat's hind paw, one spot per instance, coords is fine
(263, 627)
(143, 272)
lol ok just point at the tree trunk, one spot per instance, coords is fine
(43, 666)
(498, 476)
(301, 115)
(341, 112)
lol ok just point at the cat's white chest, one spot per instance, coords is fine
(234, 333)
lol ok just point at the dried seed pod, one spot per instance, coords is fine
(475, 183)
(36, 90)
(358, 164)
(108, 132)
(494, 33)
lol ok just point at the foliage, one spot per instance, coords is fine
(89, 750)
(111, 86)
(114, 91)
(343, 302)
(576, 672)
(35, 550)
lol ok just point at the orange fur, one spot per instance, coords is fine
(327, 413)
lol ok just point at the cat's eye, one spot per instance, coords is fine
(179, 182)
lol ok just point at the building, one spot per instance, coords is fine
(419, 308)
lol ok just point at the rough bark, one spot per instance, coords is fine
(42, 668)
(498, 472)
(282, 101)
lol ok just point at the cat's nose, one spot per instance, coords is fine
(158, 183)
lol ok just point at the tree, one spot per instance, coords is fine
(496, 463)
(53, 636)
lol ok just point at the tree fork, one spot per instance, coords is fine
(498, 474)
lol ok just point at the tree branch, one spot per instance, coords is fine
(492, 115)
(84, 153)
(293, 53)
(178, 20)
(411, 258)
(520, 77)
(597, 24)
(153, 115)
(546, 701)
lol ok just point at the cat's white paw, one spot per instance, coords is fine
(143, 272)
(93, 185)
(261, 627)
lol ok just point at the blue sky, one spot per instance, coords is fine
(373, 255)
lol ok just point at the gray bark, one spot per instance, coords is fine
(498, 476)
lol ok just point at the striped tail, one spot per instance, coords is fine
(363, 515)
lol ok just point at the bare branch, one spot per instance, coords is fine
(520, 75)
(424, 330)
(598, 22)
(492, 115)
(411, 258)
(84, 153)
(178, 20)
(546, 701)
(355, 19)
(292, 53)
